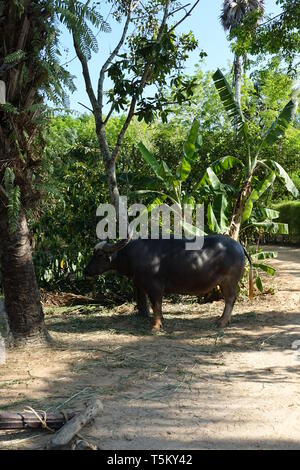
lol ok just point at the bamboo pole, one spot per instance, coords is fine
(34, 420)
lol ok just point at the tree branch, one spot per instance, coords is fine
(129, 117)
(86, 75)
(144, 79)
(108, 115)
(111, 58)
(270, 20)
(134, 6)
(86, 107)
(164, 21)
(178, 9)
(184, 17)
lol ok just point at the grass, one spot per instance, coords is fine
(72, 310)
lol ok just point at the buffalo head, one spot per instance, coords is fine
(103, 257)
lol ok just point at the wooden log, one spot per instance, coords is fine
(29, 420)
(73, 427)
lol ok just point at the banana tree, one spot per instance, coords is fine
(247, 196)
(257, 257)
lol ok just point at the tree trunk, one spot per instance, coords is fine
(236, 220)
(112, 184)
(21, 293)
(110, 168)
(237, 64)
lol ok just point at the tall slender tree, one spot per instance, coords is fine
(29, 69)
(154, 57)
(232, 16)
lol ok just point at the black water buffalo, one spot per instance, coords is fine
(159, 267)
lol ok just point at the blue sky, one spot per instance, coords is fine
(205, 24)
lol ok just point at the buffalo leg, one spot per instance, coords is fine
(230, 295)
(156, 301)
(142, 302)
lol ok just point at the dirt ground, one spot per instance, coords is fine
(189, 387)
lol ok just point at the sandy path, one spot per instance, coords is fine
(248, 398)
(191, 387)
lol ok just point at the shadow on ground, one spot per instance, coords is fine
(152, 385)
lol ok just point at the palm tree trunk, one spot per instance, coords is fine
(237, 65)
(21, 293)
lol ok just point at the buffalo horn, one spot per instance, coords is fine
(115, 247)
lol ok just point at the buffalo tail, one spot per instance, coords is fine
(251, 284)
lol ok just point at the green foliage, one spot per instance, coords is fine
(75, 16)
(166, 58)
(172, 184)
(283, 177)
(218, 167)
(256, 194)
(9, 108)
(157, 168)
(30, 64)
(279, 36)
(289, 212)
(14, 57)
(279, 127)
(233, 110)
(216, 214)
(243, 208)
(257, 255)
(73, 184)
(259, 284)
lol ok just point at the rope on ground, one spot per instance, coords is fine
(42, 419)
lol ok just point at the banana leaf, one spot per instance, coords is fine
(212, 220)
(233, 109)
(189, 149)
(264, 267)
(259, 284)
(264, 255)
(256, 194)
(279, 126)
(283, 177)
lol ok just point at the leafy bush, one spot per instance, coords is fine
(290, 213)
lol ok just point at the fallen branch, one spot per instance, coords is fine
(73, 427)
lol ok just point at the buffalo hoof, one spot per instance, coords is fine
(156, 327)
